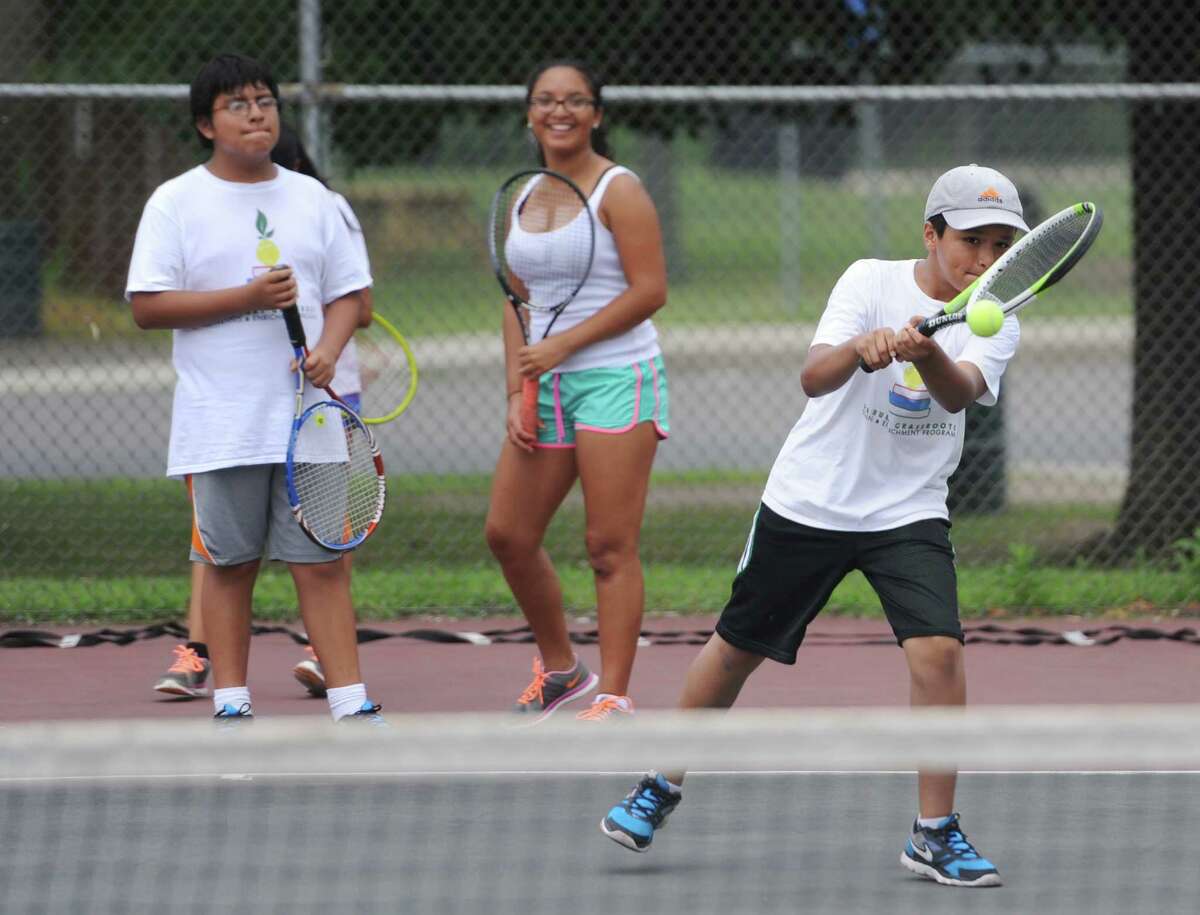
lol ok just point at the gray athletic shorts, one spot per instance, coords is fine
(242, 513)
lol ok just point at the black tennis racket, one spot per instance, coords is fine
(1040, 259)
(335, 482)
(542, 238)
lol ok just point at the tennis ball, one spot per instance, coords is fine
(984, 318)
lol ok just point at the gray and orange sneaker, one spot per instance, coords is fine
(550, 690)
(187, 676)
(309, 674)
(605, 706)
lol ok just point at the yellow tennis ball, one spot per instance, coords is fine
(984, 318)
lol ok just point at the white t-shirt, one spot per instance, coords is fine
(876, 453)
(234, 393)
(605, 281)
(347, 379)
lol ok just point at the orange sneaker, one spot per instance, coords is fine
(605, 706)
(186, 676)
(552, 689)
(309, 674)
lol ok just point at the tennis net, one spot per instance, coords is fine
(1082, 810)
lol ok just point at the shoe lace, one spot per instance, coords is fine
(311, 652)
(533, 692)
(186, 661)
(602, 708)
(956, 840)
(647, 801)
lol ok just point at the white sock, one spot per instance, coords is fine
(346, 700)
(236, 696)
(932, 822)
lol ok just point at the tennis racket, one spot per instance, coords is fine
(542, 239)
(335, 480)
(1040, 259)
(388, 368)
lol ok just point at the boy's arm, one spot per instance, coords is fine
(366, 307)
(827, 367)
(954, 385)
(178, 308)
(341, 319)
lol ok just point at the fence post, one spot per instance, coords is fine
(310, 78)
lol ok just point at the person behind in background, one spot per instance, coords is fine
(861, 483)
(202, 266)
(290, 153)
(602, 409)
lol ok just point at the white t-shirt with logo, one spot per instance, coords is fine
(876, 453)
(347, 378)
(234, 393)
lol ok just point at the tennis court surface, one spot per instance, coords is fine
(1082, 809)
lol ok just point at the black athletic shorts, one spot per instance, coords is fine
(789, 570)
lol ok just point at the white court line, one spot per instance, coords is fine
(536, 773)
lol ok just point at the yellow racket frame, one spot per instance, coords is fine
(390, 328)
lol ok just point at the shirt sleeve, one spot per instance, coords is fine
(157, 262)
(849, 305)
(356, 233)
(346, 269)
(991, 355)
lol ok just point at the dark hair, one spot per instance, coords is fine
(291, 154)
(595, 86)
(225, 73)
(938, 221)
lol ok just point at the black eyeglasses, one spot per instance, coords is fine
(548, 103)
(240, 107)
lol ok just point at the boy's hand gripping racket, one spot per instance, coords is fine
(335, 480)
(541, 238)
(1035, 263)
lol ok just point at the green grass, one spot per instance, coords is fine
(430, 555)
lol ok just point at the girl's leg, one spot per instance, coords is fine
(614, 470)
(526, 491)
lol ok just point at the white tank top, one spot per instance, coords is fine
(605, 282)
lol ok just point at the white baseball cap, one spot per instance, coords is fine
(973, 195)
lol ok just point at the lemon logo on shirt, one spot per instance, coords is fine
(267, 251)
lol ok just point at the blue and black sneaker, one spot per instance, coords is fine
(368, 714)
(230, 716)
(942, 853)
(645, 809)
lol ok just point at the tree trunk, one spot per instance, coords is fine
(1162, 501)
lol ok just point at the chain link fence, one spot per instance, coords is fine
(779, 145)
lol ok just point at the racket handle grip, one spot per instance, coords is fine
(863, 365)
(529, 398)
(291, 317)
(295, 327)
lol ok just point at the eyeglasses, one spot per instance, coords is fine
(240, 107)
(548, 103)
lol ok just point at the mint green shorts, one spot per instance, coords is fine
(608, 400)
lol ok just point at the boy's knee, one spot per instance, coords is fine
(935, 660)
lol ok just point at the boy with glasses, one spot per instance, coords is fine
(202, 266)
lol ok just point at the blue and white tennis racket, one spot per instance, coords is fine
(335, 480)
